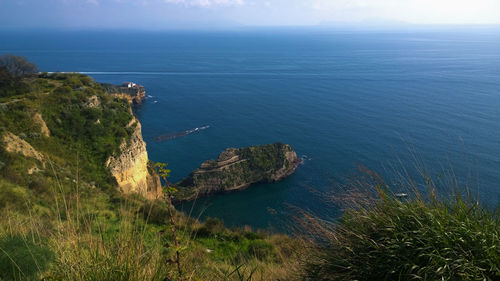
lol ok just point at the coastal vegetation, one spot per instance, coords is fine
(12, 69)
(78, 134)
(410, 236)
(64, 218)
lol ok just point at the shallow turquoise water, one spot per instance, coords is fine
(340, 99)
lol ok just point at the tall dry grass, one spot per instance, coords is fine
(410, 236)
(86, 234)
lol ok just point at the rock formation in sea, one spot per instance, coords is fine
(238, 168)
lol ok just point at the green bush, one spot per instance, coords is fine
(155, 212)
(211, 227)
(11, 85)
(250, 235)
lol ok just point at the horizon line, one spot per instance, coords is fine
(323, 26)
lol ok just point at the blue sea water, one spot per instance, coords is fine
(386, 100)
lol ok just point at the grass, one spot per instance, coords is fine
(22, 258)
(385, 237)
(98, 239)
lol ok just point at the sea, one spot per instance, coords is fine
(422, 104)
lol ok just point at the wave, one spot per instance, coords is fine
(174, 135)
(304, 158)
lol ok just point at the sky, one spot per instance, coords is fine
(186, 14)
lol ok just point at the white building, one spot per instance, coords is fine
(129, 84)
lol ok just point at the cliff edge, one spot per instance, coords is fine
(238, 168)
(72, 128)
(131, 167)
(132, 92)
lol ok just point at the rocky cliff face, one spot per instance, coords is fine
(15, 144)
(238, 168)
(131, 169)
(71, 129)
(134, 95)
(134, 98)
(37, 118)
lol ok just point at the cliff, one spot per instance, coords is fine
(130, 168)
(71, 128)
(238, 168)
(134, 94)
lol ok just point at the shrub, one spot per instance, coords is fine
(38, 185)
(11, 84)
(17, 65)
(250, 235)
(155, 212)
(65, 90)
(73, 82)
(211, 227)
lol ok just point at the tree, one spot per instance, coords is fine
(10, 84)
(17, 66)
(6, 79)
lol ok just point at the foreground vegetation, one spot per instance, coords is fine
(383, 236)
(91, 238)
(63, 219)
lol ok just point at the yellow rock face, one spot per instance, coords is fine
(130, 168)
(37, 118)
(15, 144)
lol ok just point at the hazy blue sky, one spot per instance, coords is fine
(173, 14)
